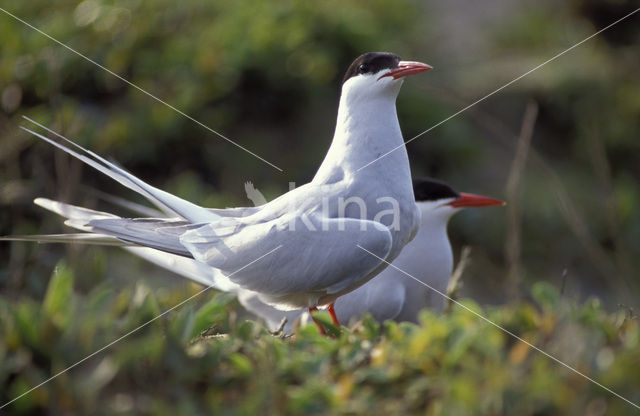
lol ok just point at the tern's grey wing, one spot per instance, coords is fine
(158, 233)
(183, 266)
(310, 253)
(145, 211)
(235, 212)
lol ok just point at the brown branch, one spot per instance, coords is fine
(454, 284)
(513, 240)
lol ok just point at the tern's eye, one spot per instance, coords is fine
(364, 68)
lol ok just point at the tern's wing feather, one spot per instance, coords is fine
(164, 200)
(187, 267)
(158, 233)
(235, 212)
(310, 253)
(139, 209)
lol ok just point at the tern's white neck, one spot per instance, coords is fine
(433, 229)
(428, 256)
(367, 127)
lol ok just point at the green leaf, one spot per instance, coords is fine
(58, 301)
(182, 325)
(27, 322)
(241, 363)
(212, 312)
(325, 320)
(545, 295)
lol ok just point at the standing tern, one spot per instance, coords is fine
(301, 249)
(392, 295)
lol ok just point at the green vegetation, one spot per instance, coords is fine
(454, 364)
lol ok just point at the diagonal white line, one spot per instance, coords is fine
(505, 330)
(140, 89)
(501, 88)
(131, 332)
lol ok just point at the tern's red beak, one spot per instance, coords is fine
(407, 68)
(472, 200)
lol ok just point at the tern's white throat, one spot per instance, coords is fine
(366, 128)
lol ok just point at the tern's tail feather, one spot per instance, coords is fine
(72, 212)
(77, 217)
(183, 266)
(164, 200)
(138, 209)
(159, 233)
(82, 238)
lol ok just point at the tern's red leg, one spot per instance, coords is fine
(320, 327)
(332, 312)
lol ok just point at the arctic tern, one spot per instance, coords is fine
(301, 249)
(390, 295)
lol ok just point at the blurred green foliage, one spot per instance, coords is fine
(201, 359)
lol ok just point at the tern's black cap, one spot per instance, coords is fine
(370, 63)
(427, 189)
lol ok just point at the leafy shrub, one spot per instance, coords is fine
(200, 358)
